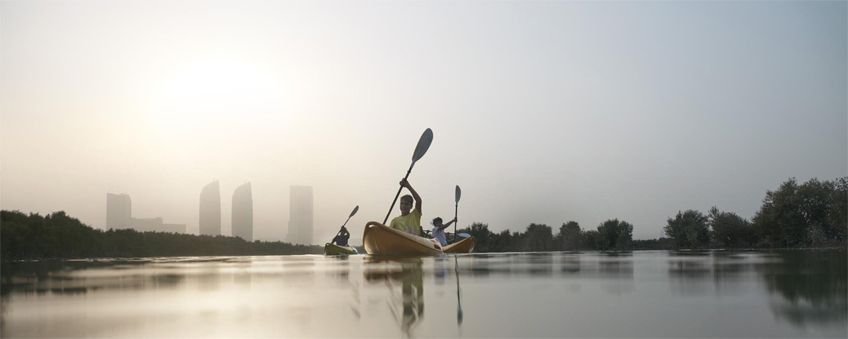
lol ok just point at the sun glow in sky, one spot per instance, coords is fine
(213, 90)
(543, 112)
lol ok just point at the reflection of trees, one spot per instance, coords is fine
(731, 268)
(616, 268)
(83, 276)
(61, 277)
(512, 264)
(540, 263)
(410, 275)
(690, 271)
(812, 286)
(570, 263)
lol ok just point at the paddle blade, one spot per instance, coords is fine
(458, 193)
(354, 211)
(423, 145)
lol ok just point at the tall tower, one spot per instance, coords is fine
(210, 209)
(243, 212)
(118, 211)
(300, 215)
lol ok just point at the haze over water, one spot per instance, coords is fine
(589, 294)
(543, 111)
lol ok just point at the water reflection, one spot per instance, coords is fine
(64, 277)
(690, 273)
(581, 294)
(458, 292)
(811, 285)
(408, 272)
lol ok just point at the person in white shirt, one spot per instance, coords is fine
(439, 230)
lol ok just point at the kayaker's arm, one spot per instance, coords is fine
(448, 224)
(415, 195)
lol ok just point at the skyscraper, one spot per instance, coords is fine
(118, 211)
(243, 212)
(210, 209)
(300, 215)
(119, 216)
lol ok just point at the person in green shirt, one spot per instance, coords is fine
(409, 220)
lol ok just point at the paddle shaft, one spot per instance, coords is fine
(398, 193)
(455, 221)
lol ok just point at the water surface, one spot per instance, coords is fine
(561, 294)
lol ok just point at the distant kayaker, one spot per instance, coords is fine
(409, 220)
(439, 230)
(342, 237)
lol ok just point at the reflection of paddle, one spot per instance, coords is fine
(458, 299)
(456, 211)
(420, 149)
(348, 219)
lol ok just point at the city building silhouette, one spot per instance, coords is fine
(300, 215)
(210, 209)
(242, 212)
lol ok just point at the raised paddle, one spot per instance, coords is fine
(348, 219)
(456, 210)
(420, 149)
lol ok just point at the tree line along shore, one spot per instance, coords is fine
(809, 214)
(805, 215)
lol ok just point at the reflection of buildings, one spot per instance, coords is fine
(210, 209)
(119, 215)
(243, 212)
(300, 215)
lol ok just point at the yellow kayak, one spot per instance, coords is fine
(380, 239)
(463, 246)
(333, 249)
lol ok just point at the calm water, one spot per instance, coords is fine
(589, 294)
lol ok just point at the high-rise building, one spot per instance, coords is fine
(242, 212)
(119, 216)
(118, 211)
(300, 215)
(210, 209)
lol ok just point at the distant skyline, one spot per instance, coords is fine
(119, 216)
(543, 112)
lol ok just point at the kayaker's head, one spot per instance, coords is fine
(405, 204)
(437, 221)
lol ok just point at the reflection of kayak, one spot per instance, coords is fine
(380, 239)
(333, 249)
(462, 246)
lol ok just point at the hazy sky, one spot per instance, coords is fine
(542, 111)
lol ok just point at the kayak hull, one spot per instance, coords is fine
(382, 240)
(463, 246)
(333, 249)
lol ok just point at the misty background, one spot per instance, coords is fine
(543, 112)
